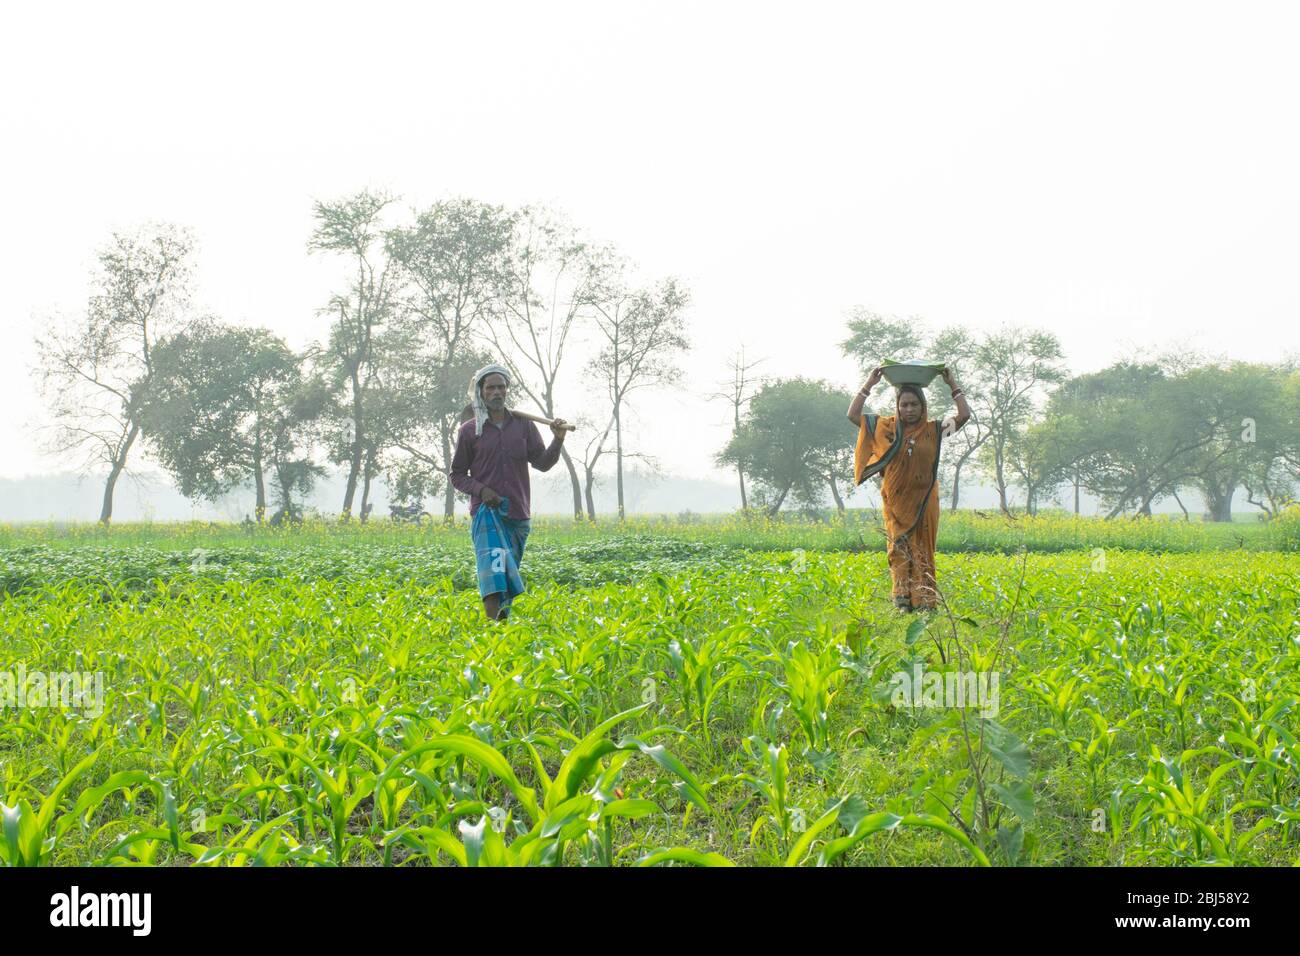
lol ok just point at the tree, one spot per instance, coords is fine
(1137, 433)
(1017, 366)
(1064, 440)
(1237, 403)
(453, 261)
(97, 372)
(644, 336)
(388, 407)
(738, 395)
(591, 455)
(960, 350)
(216, 406)
(416, 404)
(551, 276)
(1269, 430)
(1029, 458)
(874, 337)
(293, 424)
(793, 443)
(352, 227)
(1287, 447)
(1275, 485)
(1076, 419)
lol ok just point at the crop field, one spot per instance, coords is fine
(666, 693)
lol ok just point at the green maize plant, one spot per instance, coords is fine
(809, 680)
(1167, 799)
(579, 806)
(703, 672)
(773, 763)
(665, 693)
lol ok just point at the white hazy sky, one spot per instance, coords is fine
(1122, 174)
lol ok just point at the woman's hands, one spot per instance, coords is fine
(855, 408)
(959, 399)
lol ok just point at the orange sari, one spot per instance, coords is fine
(909, 497)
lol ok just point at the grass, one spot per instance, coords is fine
(856, 530)
(664, 695)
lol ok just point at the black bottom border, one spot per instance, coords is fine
(332, 905)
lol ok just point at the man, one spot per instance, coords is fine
(493, 452)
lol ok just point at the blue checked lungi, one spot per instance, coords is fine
(498, 550)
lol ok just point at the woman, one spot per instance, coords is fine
(904, 449)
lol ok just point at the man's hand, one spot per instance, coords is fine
(557, 428)
(489, 497)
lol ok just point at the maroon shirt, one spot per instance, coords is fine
(499, 459)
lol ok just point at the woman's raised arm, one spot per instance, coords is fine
(959, 399)
(855, 407)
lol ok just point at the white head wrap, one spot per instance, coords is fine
(476, 393)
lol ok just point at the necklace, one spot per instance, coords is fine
(911, 443)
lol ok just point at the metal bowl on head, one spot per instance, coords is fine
(919, 372)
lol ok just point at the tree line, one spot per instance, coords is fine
(426, 300)
(1134, 434)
